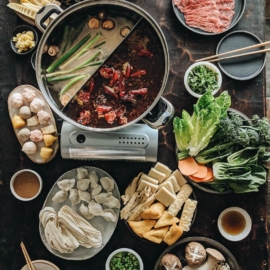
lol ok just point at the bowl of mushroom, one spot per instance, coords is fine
(199, 253)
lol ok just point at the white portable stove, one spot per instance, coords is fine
(137, 142)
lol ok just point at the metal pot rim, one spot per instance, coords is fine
(82, 5)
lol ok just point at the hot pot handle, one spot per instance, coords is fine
(45, 13)
(161, 114)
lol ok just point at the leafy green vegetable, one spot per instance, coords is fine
(202, 79)
(124, 261)
(194, 133)
(183, 129)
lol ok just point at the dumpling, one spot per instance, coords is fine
(109, 215)
(101, 196)
(81, 173)
(36, 135)
(107, 183)
(16, 100)
(84, 211)
(24, 134)
(93, 176)
(95, 191)
(95, 208)
(74, 196)
(111, 202)
(29, 148)
(83, 184)
(36, 105)
(43, 117)
(84, 196)
(29, 94)
(93, 183)
(60, 196)
(66, 184)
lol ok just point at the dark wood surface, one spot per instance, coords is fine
(19, 220)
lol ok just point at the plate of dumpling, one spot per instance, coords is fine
(80, 213)
(33, 123)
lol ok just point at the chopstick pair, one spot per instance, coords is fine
(216, 57)
(27, 258)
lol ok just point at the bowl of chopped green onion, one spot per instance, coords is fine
(124, 258)
(201, 77)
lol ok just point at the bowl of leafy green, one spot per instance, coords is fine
(201, 77)
(220, 150)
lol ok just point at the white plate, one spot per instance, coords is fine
(106, 228)
(12, 110)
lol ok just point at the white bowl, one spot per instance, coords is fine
(244, 233)
(209, 65)
(12, 187)
(107, 266)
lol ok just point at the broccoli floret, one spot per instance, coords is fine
(253, 136)
(263, 127)
(236, 119)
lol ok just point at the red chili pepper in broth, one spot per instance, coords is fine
(102, 109)
(121, 85)
(110, 117)
(110, 91)
(144, 52)
(141, 91)
(122, 120)
(84, 96)
(106, 72)
(138, 73)
(126, 69)
(114, 78)
(84, 117)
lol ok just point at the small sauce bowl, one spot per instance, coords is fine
(107, 266)
(21, 29)
(208, 65)
(234, 223)
(26, 185)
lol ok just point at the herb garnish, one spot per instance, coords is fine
(201, 79)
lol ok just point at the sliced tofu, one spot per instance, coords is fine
(179, 177)
(33, 121)
(163, 168)
(174, 182)
(143, 184)
(167, 184)
(157, 175)
(149, 179)
(165, 196)
(48, 129)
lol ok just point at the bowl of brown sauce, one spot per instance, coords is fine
(26, 185)
(234, 223)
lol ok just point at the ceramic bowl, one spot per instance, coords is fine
(241, 235)
(209, 65)
(21, 29)
(41, 265)
(107, 266)
(12, 185)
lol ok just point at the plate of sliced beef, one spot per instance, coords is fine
(209, 17)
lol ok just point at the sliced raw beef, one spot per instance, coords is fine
(209, 15)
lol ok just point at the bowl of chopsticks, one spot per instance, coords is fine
(240, 55)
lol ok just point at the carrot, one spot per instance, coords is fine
(209, 176)
(195, 179)
(202, 172)
(188, 166)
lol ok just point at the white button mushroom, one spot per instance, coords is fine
(213, 258)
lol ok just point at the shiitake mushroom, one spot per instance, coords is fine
(108, 24)
(102, 15)
(125, 30)
(170, 262)
(93, 23)
(53, 50)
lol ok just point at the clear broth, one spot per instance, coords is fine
(233, 222)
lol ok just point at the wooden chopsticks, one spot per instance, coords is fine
(217, 57)
(27, 258)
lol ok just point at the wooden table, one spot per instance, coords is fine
(19, 220)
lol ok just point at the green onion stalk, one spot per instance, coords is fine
(73, 81)
(65, 56)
